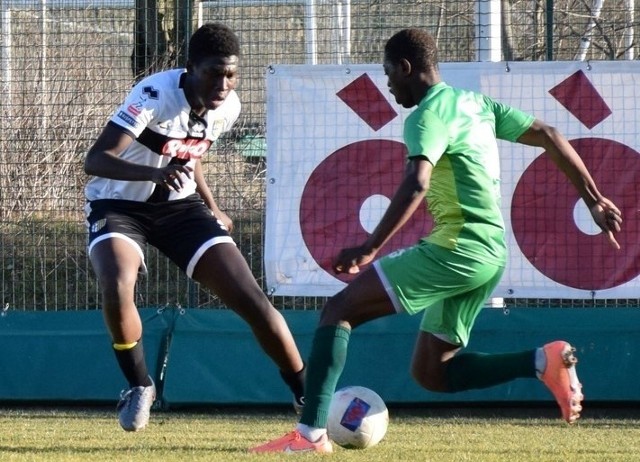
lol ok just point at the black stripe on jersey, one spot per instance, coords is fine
(152, 140)
(183, 148)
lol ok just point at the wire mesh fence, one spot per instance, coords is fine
(66, 64)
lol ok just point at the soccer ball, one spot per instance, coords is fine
(358, 418)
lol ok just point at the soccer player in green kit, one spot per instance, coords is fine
(453, 162)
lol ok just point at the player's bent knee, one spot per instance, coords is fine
(335, 311)
(430, 382)
(262, 317)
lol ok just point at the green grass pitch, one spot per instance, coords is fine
(224, 434)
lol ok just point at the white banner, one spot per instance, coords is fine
(335, 156)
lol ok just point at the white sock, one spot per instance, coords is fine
(313, 434)
(541, 362)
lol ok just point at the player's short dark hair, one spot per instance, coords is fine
(415, 45)
(213, 39)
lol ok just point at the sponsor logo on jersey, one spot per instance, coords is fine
(98, 225)
(222, 225)
(151, 91)
(185, 149)
(197, 129)
(127, 118)
(135, 109)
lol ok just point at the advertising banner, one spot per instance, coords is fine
(335, 157)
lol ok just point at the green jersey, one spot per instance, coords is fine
(457, 131)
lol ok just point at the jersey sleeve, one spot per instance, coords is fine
(510, 122)
(425, 135)
(138, 109)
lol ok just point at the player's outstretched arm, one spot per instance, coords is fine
(407, 198)
(604, 212)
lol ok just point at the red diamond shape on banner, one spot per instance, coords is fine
(578, 95)
(364, 98)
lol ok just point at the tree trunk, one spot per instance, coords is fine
(155, 46)
(585, 41)
(507, 31)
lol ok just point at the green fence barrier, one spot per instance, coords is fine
(211, 356)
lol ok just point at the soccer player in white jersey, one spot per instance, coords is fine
(148, 188)
(448, 275)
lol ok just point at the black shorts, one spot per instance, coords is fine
(182, 229)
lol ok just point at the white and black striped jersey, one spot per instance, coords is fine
(157, 114)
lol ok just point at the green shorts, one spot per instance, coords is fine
(449, 287)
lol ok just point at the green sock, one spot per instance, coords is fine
(326, 362)
(469, 371)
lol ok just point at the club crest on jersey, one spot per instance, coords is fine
(188, 148)
(216, 127)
